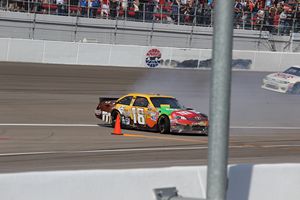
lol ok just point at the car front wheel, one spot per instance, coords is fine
(296, 89)
(164, 125)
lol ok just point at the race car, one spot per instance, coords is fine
(153, 112)
(284, 82)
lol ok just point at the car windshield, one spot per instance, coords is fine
(293, 70)
(158, 101)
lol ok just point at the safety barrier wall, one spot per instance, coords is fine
(246, 182)
(39, 51)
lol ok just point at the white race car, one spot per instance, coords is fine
(284, 82)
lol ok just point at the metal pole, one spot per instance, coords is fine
(151, 34)
(88, 8)
(194, 23)
(69, 7)
(33, 26)
(160, 13)
(220, 101)
(178, 17)
(144, 10)
(116, 29)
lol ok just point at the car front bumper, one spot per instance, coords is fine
(275, 86)
(189, 129)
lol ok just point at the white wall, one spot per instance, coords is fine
(39, 51)
(246, 182)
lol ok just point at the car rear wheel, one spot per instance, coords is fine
(296, 89)
(164, 125)
(114, 115)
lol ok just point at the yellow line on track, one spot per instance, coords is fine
(163, 138)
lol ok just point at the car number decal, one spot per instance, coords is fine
(138, 116)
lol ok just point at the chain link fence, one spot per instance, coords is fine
(279, 19)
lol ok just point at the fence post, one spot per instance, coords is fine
(76, 25)
(115, 32)
(251, 21)
(88, 9)
(69, 9)
(151, 33)
(161, 14)
(243, 18)
(193, 25)
(33, 26)
(178, 10)
(144, 10)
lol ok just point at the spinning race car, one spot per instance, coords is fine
(284, 82)
(151, 112)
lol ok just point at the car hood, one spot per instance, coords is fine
(189, 114)
(280, 76)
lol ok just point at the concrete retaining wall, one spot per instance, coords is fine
(41, 51)
(246, 182)
(74, 29)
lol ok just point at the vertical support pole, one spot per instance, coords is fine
(88, 9)
(144, 12)
(220, 101)
(161, 10)
(151, 34)
(193, 23)
(243, 18)
(76, 27)
(69, 7)
(33, 26)
(178, 15)
(115, 32)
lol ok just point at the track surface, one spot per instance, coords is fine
(47, 121)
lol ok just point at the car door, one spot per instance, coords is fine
(124, 108)
(138, 111)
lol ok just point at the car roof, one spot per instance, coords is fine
(148, 95)
(294, 66)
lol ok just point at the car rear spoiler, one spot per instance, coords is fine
(110, 99)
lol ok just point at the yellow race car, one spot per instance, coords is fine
(151, 112)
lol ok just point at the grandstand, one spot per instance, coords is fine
(277, 17)
(273, 24)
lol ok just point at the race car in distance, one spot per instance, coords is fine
(151, 112)
(284, 82)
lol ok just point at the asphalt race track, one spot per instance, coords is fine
(47, 120)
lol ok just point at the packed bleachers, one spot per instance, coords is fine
(277, 17)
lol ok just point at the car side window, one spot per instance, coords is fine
(125, 100)
(141, 102)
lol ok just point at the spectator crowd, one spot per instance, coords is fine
(276, 16)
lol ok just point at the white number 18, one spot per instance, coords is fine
(138, 116)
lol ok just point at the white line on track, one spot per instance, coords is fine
(266, 127)
(133, 150)
(281, 145)
(95, 125)
(56, 125)
(104, 151)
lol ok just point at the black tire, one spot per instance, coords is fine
(114, 115)
(163, 125)
(296, 89)
(206, 132)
